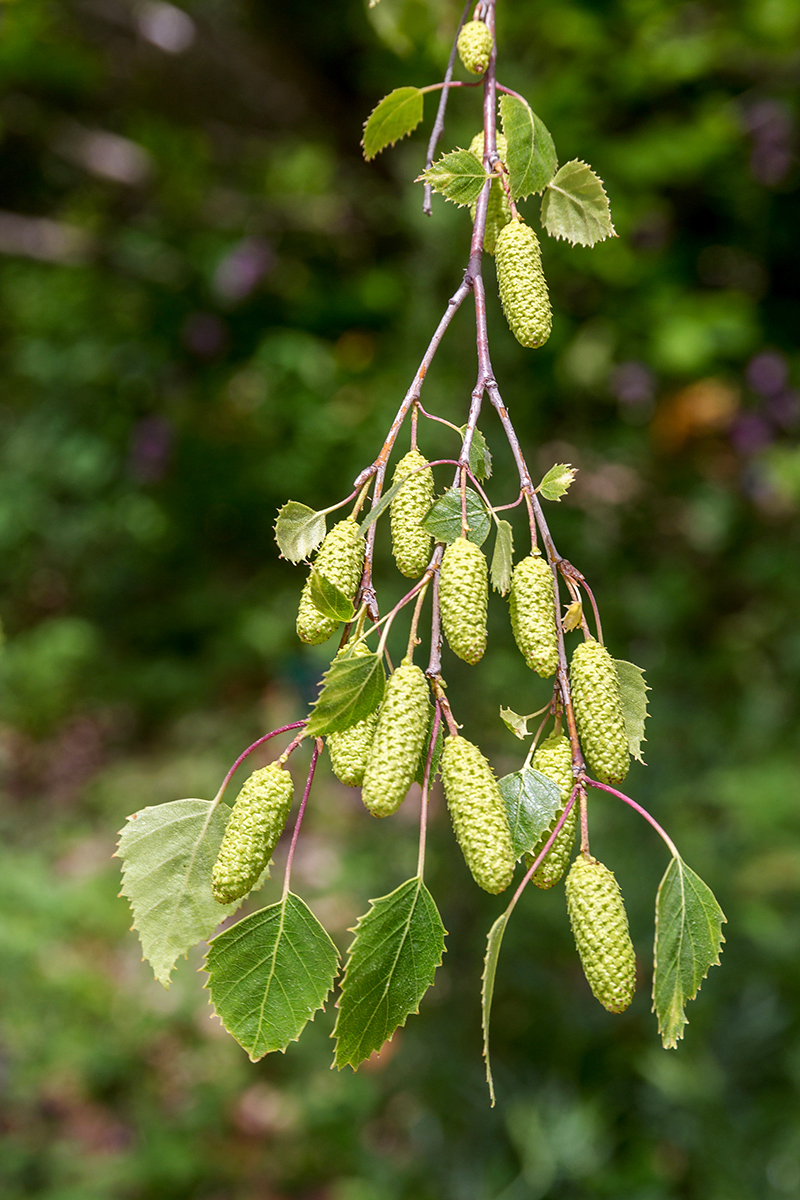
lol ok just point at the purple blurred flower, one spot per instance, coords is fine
(769, 122)
(242, 268)
(750, 433)
(784, 409)
(151, 442)
(767, 373)
(633, 383)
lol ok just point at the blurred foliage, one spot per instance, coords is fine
(208, 304)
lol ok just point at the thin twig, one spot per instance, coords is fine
(412, 636)
(438, 125)
(604, 787)
(426, 782)
(287, 875)
(540, 857)
(259, 742)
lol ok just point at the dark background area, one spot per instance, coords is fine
(210, 304)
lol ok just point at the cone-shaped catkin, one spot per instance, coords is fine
(498, 212)
(598, 712)
(340, 559)
(474, 46)
(411, 544)
(523, 287)
(478, 813)
(554, 759)
(600, 926)
(349, 749)
(396, 746)
(531, 602)
(463, 599)
(252, 832)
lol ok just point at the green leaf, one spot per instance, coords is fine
(437, 751)
(384, 502)
(397, 115)
(167, 854)
(480, 458)
(398, 946)
(269, 973)
(517, 724)
(330, 601)
(459, 176)
(493, 944)
(352, 688)
(298, 530)
(531, 158)
(575, 206)
(557, 481)
(532, 801)
(443, 520)
(503, 558)
(633, 690)
(688, 942)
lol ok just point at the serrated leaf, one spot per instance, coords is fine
(397, 947)
(298, 530)
(443, 519)
(384, 502)
(688, 943)
(503, 558)
(573, 616)
(493, 944)
(480, 457)
(515, 723)
(532, 801)
(330, 601)
(633, 690)
(397, 115)
(531, 158)
(269, 973)
(419, 777)
(167, 852)
(557, 481)
(575, 206)
(352, 688)
(458, 176)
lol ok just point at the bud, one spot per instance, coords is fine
(411, 544)
(340, 559)
(523, 287)
(554, 759)
(498, 211)
(252, 832)
(600, 927)
(531, 603)
(395, 750)
(478, 813)
(598, 712)
(349, 748)
(474, 46)
(463, 599)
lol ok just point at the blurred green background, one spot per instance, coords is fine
(209, 304)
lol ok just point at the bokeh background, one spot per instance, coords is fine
(209, 304)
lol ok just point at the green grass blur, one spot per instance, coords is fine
(209, 304)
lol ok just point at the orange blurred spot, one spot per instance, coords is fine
(707, 406)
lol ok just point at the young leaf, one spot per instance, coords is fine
(531, 158)
(398, 946)
(167, 854)
(573, 616)
(352, 688)
(493, 944)
(397, 115)
(532, 801)
(633, 690)
(330, 601)
(480, 458)
(459, 176)
(384, 502)
(443, 520)
(298, 530)
(575, 206)
(557, 481)
(437, 751)
(503, 558)
(269, 973)
(514, 722)
(688, 942)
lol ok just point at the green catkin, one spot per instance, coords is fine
(349, 749)
(463, 599)
(411, 544)
(600, 927)
(394, 754)
(478, 813)
(531, 602)
(474, 46)
(498, 212)
(554, 759)
(340, 559)
(252, 832)
(523, 287)
(598, 712)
